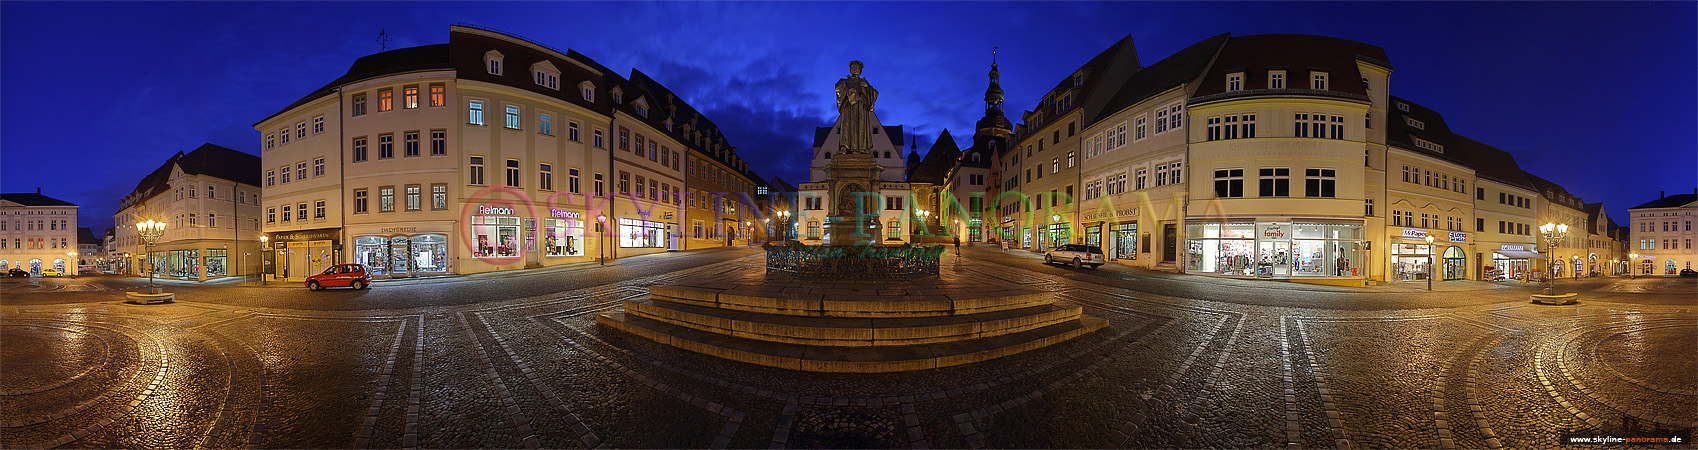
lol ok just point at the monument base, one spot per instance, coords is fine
(850, 231)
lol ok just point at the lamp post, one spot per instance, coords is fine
(1632, 258)
(748, 236)
(1429, 263)
(73, 264)
(150, 232)
(265, 249)
(601, 223)
(1552, 232)
(784, 223)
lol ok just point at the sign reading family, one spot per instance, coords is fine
(1274, 232)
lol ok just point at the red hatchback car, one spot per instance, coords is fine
(341, 275)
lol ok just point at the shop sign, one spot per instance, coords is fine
(306, 236)
(1518, 248)
(1411, 233)
(298, 244)
(495, 210)
(399, 230)
(1458, 236)
(318, 243)
(666, 216)
(1274, 232)
(557, 212)
(1132, 211)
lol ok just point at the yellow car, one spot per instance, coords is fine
(52, 273)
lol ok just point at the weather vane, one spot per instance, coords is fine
(383, 40)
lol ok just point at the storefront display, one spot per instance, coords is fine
(635, 233)
(1225, 249)
(1025, 237)
(372, 252)
(1410, 262)
(1511, 262)
(1125, 241)
(1455, 264)
(1059, 234)
(1274, 249)
(563, 237)
(430, 253)
(1094, 235)
(975, 230)
(494, 236)
(183, 263)
(402, 256)
(216, 259)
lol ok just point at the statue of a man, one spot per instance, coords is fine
(855, 99)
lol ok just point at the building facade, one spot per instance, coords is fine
(487, 153)
(37, 233)
(209, 199)
(1662, 234)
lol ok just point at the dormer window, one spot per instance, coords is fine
(1318, 81)
(641, 105)
(546, 75)
(1078, 79)
(492, 62)
(1416, 124)
(588, 89)
(1428, 145)
(1401, 106)
(1234, 82)
(618, 95)
(1276, 79)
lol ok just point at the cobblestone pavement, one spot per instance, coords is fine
(1183, 363)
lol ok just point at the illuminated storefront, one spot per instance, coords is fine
(1125, 241)
(1274, 249)
(1511, 262)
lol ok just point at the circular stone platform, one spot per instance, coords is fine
(851, 326)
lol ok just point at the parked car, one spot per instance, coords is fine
(1688, 273)
(1076, 255)
(17, 273)
(341, 275)
(51, 273)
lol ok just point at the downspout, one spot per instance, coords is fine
(612, 198)
(341, 167)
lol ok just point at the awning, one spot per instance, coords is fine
(1519, 254)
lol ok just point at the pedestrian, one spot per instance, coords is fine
(957, 244)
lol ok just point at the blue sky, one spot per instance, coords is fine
(1598, 97)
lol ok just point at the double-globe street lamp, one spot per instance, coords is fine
(1552, 232)
(601, 224)
(1430, 264)
(150, 232)
(74, 263)
(1632, 258)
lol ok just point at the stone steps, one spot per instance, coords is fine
(850, 331)
(826, 358)
(847, 302)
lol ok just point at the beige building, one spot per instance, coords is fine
(37, 233)
(209, 199)
(487, 153)
(894, 206)
(1662, 234)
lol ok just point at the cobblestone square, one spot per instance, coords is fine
(1185, 362)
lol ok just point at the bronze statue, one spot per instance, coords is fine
(855, 97)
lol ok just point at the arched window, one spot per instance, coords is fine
(827, 155)
(4, 265)
(893, 230)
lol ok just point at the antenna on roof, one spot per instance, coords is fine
(383, 40)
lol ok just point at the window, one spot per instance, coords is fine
(414, 200)
(474, 112)
(1425, 144)
(271, 215)
(1275, 182)
(283, 135)
(1276, 79)
(545, 179)
(652, 144)
(1175, 116)
(1234, 82)
(317, 124)
(300, 174)
(358, 109)
(284, 171)
(892, 203)
(492, 62)
(439, 196)
(386, 199)
(1318, 81)
(1369, 204)
(624, 182)
(317, 169)
(1479, 224)
(1416, 124)
(546, 78)
(1229, 183)
(588, 90)
(1138, 181)
(1069, 160)
(359, 153)
(599, 185)
(512, 117)
(1319, 183)
(665, 157)
(385, 146)
(475, 171)
(410, 97)
(1161, 121)
(545, 124)
(438, 95)
(625, 139)
(301, 211)
(642, 188)
(385, 100)
(410, 144)
(1139, 131)
(438, 142)
(512, 173)
(571, 180)
(270, 178)
(317, 212)
(270, 140)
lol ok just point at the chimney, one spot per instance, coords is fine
(38, 189)
(1660, 194)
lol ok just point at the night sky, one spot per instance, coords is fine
(1598, 97)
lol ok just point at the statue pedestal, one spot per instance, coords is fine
(849, 231)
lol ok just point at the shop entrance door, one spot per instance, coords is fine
(671, 237)
(1169, 237)
(400, 257)
(1274, 259)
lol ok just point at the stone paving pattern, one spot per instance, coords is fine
(1185, 362)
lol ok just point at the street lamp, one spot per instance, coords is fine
(1632, 258)
(74, 265)
(601, 223)
(150, 231)
(1429, 263)
(746, 234)
(1552, 232)
(265, 249)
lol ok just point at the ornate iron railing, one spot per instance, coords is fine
(854, 262)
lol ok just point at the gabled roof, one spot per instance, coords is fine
(1174, 70)
(1555, 193)
(1098, 83)
(34, 199)
(1298, 55)
(1665, 202)
(208, 159)
(1490, 162)
(1401, 133)
(85, 235)
(939, 159)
